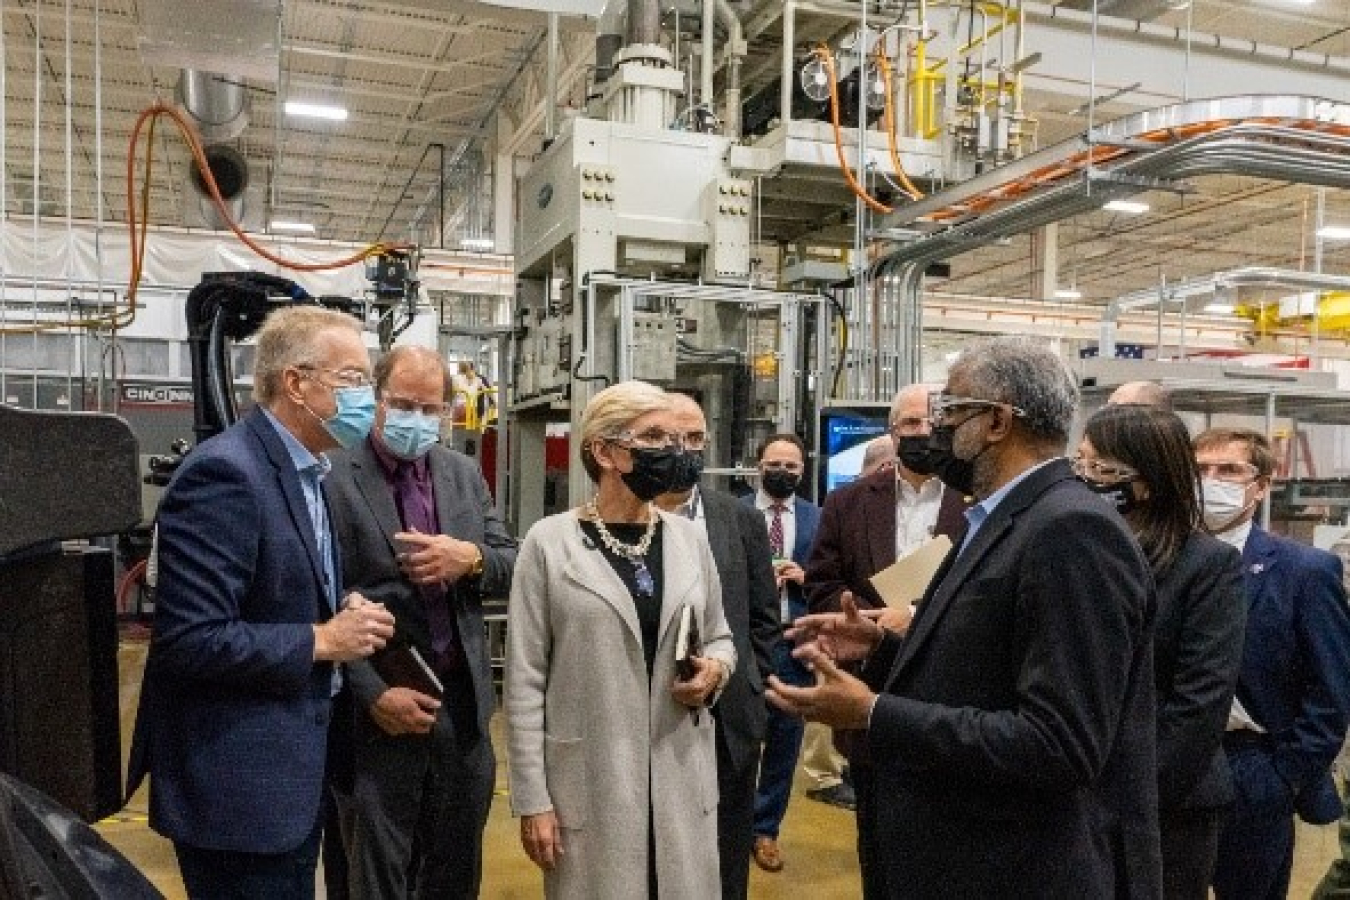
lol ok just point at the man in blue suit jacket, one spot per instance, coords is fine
(791, 522)
(1293, 696)
(236, 700)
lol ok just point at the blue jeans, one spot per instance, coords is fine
(782, 744)
(226, 875)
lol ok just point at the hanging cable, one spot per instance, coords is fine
(823, 53)
(140, 219)
(889, 119)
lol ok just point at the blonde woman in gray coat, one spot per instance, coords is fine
(612, 760)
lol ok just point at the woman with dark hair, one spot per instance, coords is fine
(1140, 458)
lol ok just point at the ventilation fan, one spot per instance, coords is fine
(815, 79)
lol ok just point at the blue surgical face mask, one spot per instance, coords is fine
(409, 434)
(354, 417)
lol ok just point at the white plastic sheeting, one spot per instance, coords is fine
(84, 257)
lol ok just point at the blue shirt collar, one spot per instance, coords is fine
(984, 509)
(303, 460)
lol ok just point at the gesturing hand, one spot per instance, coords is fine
(435, 558)
(837, 699)
(845, 636)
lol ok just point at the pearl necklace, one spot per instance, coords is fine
(631, 551)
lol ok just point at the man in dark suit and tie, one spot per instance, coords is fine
(864, 528)
(792, 529)
(1293, 695)
(1012, 728)
(419, 534)
(235, 705)
(740, 547)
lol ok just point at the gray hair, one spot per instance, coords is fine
(290, 339)
(614, 409)
(880, 450)
(1027, 375)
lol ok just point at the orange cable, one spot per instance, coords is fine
(913, 192)
(823, 53)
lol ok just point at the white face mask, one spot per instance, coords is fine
(1225, 503)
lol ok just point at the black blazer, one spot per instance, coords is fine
(1197, 653)
(365, 520)
(740, 547)
(1013, 740)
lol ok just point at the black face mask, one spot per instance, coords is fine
(1120, 495)
(780, 484)
(654, 472)
(955, 472)
(915, 453)
(690, 470)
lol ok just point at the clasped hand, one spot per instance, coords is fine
(356, 631)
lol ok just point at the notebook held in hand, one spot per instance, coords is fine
(404, 667)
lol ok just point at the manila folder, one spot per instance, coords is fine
(904, 582)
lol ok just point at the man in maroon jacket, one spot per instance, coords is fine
(864, 527)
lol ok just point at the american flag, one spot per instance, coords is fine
(1123, 351)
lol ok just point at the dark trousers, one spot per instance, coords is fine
(1256, 843)
(420, 803)
(1190, 844)
(225, 875)
(782, 746)
(871, 857)
(735, 822)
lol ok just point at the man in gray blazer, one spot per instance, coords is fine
(419, 534)
(740, 546)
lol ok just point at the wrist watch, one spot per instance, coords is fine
(477, 568)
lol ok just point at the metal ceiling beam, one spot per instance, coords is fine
(1154, 56)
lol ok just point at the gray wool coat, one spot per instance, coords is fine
(587, 736)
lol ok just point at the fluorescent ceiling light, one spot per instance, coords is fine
(1220, 309)
(316, 111)
(477, 243)
(1129, 207)
(1334, 232)
(1068, 294)
(296, 227)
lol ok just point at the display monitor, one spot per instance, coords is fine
(844, 435)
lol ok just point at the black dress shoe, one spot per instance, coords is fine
(840, 795)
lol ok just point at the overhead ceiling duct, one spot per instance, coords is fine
(218, 106)
(1139, 10)
(229, 169)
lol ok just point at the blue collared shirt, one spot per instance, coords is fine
(978, 514)
(312, 469)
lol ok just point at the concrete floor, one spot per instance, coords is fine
(817, 840)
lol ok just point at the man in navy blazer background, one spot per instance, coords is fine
(235, 706)
(791, 523)
(1293, 696)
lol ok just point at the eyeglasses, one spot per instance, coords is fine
(350, 378)
(657, 438)
(1232, 472)
(941, 407)
(1102, 473)
(909, 426)
(793, 467)
(407, 404)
